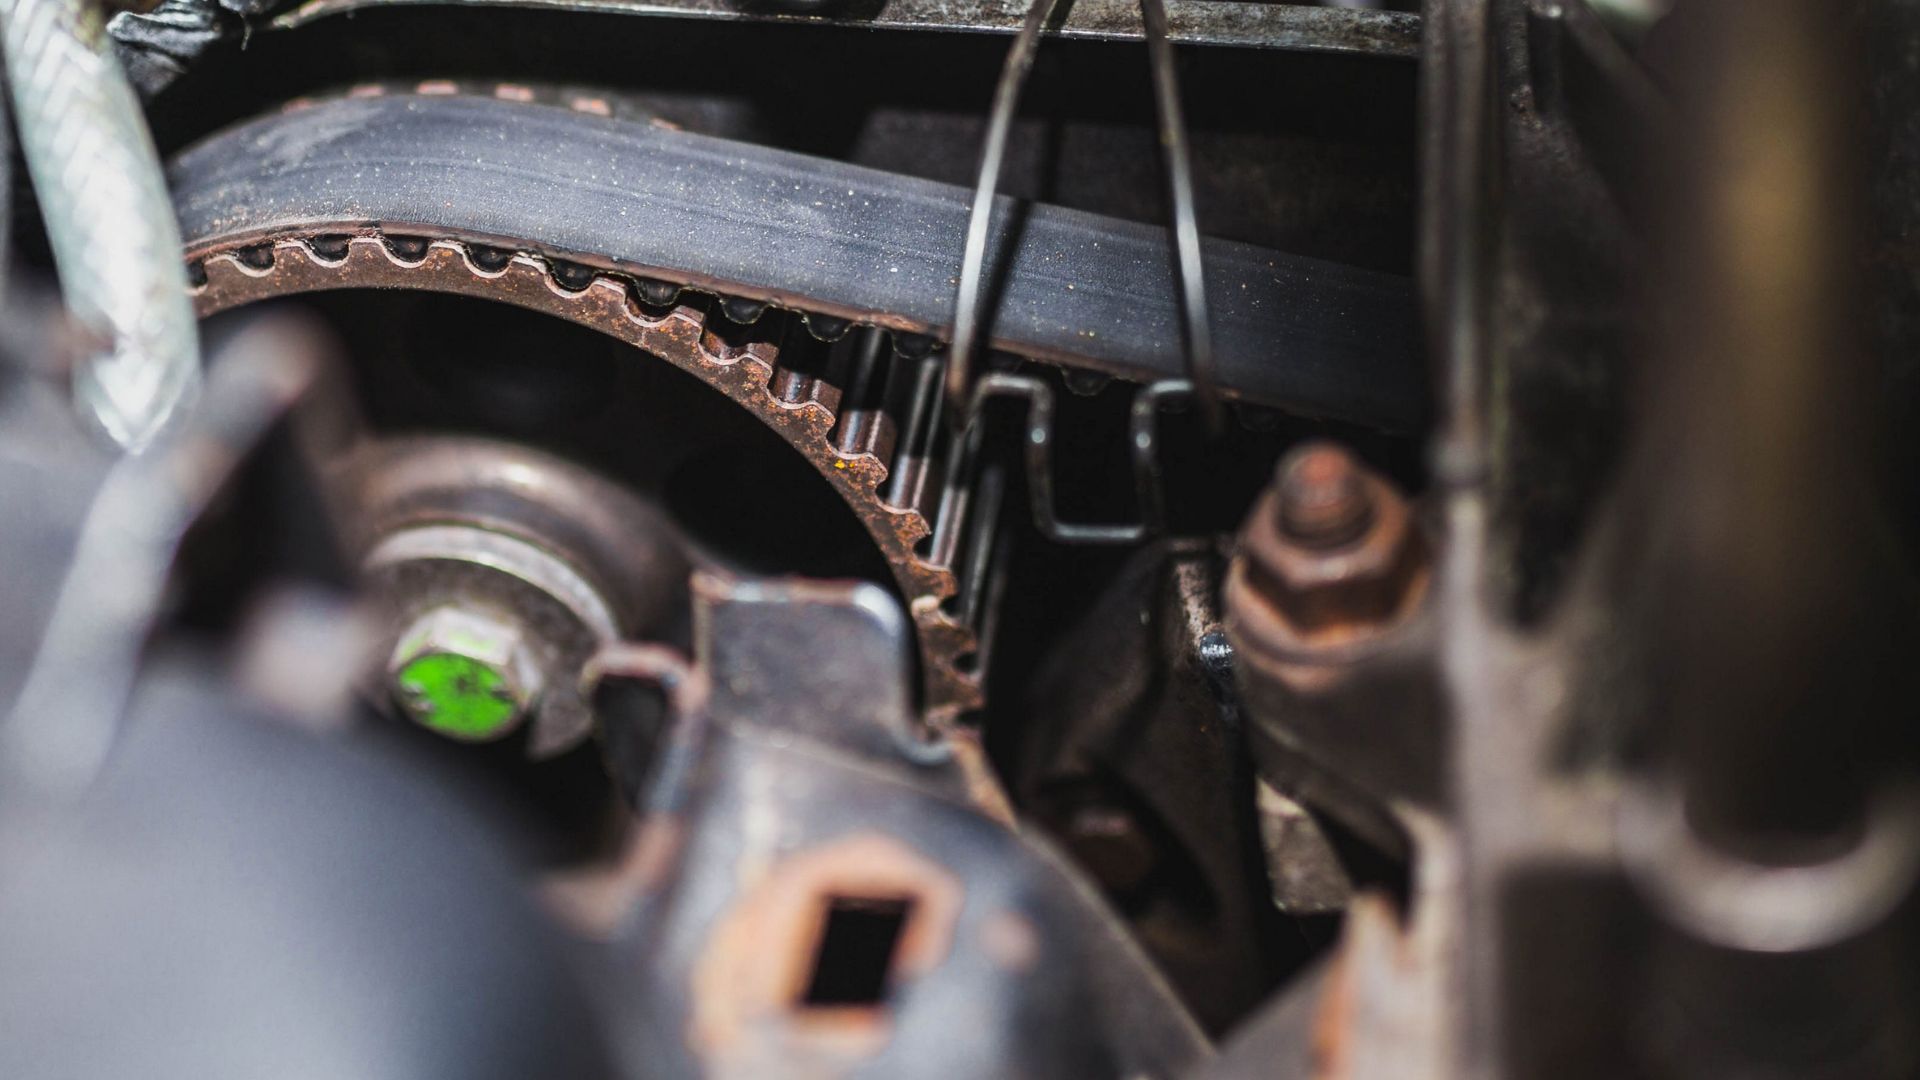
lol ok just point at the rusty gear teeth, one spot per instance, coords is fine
(668, 321)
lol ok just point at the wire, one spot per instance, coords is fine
(1176, 154)
(973, 259)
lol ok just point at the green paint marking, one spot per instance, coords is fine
(457, 695)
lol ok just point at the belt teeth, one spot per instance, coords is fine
(827, 327)
(669, 320)
(744, 312)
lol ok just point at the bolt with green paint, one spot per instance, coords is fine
(465, 673)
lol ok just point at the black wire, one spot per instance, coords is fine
(967, 298)
(962, 398)
(1177, 155)
(1176, 152)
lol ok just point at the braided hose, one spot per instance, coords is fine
(108, 216)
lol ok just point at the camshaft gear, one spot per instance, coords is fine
(850, 448)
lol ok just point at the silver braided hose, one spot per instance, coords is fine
(108, 216)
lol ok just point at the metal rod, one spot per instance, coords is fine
(1143, 431)
(906, 477)
(963, 466)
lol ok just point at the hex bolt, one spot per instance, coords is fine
(1324, 499)
(1330, 553)
(464, 673)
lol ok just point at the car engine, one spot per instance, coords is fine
(1160, 540)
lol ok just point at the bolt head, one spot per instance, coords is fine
(1332, 551)
(1323, 495)
(467, 674)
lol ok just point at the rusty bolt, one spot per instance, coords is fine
(1324, 499)
(1331, 552)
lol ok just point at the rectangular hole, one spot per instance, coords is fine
(858, 938)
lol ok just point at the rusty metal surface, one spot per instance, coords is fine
(1330, 554)
(678, 334)
(1137, 763)
(1547, 805)
(1006, 964)
(1377, 1006)
(759, 636)
(754, 969)
(1326, 608)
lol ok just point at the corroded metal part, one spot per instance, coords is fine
(744, 1017)
(801, 408)
(1327, 611)
(1330, 554)
(788, 808)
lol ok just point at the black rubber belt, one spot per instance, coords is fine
(1315, 337)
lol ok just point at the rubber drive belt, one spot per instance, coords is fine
(1315, 337)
